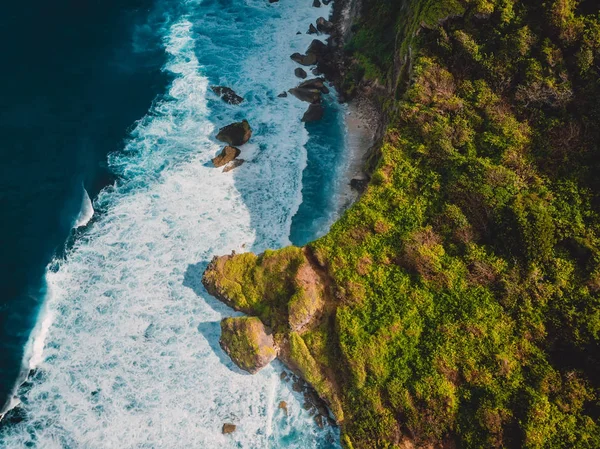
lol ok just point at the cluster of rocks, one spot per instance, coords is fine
(316, 54)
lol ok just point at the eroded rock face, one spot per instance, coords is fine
(248, 342)
(235, 134)
(227, 94)
(226, 155)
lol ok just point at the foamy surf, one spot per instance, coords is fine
(131, 356)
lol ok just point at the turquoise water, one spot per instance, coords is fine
(125, 350)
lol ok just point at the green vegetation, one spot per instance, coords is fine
(246, 342)
(465, 283)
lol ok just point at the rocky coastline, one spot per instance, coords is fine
(274, 327)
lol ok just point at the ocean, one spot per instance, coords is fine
(113, 209)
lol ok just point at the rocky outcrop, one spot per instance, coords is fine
(314, 113)
(324, 26)
(227, 94)
(308, 95)
(312, 29)
(226, 155)
(248, 342)
(235, 134)
(306, 60)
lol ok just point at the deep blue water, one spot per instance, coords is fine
(73, 82)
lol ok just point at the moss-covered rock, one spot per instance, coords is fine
(248, 342)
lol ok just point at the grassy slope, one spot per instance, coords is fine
(467, 278)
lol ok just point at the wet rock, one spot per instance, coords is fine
(235, 134)
(227, 94)
(324, 25)
(308, 95)
(315, 83)
(248, 342)
(313, 114)
(226, 155)
(312, 29)
(228, 428)
(316, 4)
(284, 376)
(359, 185)
(283, 406)
(273, 1)
(282, 95)
(326, 2)
(233, 164)
(300, 73)
(308, 59)
(298, 32)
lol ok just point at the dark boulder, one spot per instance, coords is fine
(324, 25)
(235, 134)
(226, 155)
(308, 95)
(312, 29)
(316, 3)
(308, 59)
(314, 113)
(300, 73)
(282, 95)
(315, 83)
(227, 94)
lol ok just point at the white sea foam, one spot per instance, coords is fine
(87, 210)
(132, 357)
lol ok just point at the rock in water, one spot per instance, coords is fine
(315, 83)
(226, 155)
(248, 342)
(235, 134)
(283, 406)
(227, 94)
(308, 95)
(313, 114)
(228, 428)
(324, 25)
(282, 95)
(308, 59)
(312, 29)
(300, 73)
(233, 164)
(316, 3)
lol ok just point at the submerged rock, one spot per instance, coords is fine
(226, 155)
(233, 164)
(248, 342)
(316, 3)
(228, 428)
(227, 94)
(308, 59)
(282, 95)
(313, 114)
(235, 134)
(300, 73)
